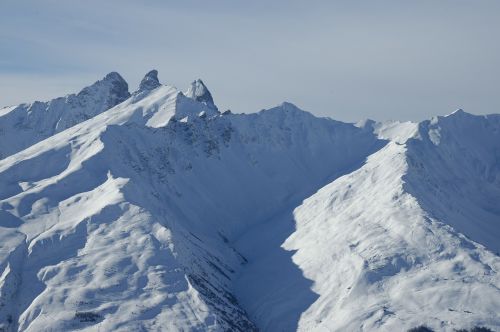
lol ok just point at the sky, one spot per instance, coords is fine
(348, 60)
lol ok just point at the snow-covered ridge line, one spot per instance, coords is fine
(455, 173)
(393, 265)
(188, 162)
(161, 213)
(26, 124)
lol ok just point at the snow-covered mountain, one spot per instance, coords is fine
(26, 124)
(154, 211)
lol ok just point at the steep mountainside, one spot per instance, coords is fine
(161, 213)
(454, 172)
(380, 262)
(26, 124)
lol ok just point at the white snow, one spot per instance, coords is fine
(160, 213)
(395, 131)
(379, 262)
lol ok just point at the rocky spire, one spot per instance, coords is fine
(199, 92)
(113, 88)
(150, 81)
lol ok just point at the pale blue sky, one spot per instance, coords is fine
(345, 59)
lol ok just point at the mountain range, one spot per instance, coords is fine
(152, 210)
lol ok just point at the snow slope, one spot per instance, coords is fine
(389, 245)
(378, 261)
(454, 172)
(161, 213)
(159, 173)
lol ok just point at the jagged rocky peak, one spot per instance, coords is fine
(199, 92)
(112, 85)
(150, 81)
(120, 86)
(27, 124)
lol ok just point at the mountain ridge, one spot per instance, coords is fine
(26, 124)
(162, 213)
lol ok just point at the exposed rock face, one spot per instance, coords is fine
(150, 81)
(26, 124)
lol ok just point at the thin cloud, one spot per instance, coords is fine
(347, 60)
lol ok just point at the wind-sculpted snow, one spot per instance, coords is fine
(163, 214)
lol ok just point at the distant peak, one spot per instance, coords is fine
(112, 84)
(150, 81)
(114, 79)
(289, 106)
(113, 76)
(199, 92)
(286, 109)
(458, 112)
